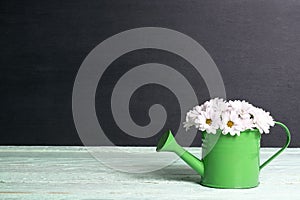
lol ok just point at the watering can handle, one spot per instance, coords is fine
(288, 139)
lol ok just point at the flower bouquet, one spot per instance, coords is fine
(231, 117)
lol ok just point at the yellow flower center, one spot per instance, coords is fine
(208, 121)
(230, 124)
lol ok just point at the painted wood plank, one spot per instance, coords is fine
(73, 173)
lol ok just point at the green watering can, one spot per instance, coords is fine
(231, 162)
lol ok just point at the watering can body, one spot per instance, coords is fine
(233, 161)
(227, 161)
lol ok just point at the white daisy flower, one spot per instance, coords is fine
(243, 110)
(191, 116)
(218, 105)
(206, 117)
(262, 120)
(208, 121)
(231, 123)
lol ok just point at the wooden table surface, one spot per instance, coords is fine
(72, 173)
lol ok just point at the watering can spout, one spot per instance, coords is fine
(168, 143)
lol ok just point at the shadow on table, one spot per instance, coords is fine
(171, 173)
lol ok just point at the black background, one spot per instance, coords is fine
(255, 45)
